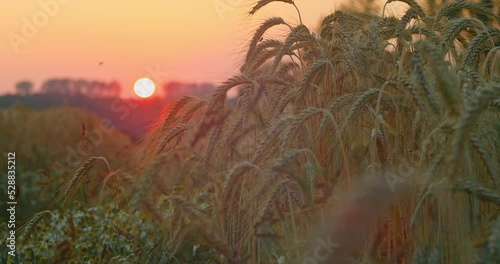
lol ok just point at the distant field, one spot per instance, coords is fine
(127, 115)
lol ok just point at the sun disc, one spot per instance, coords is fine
(144, 87)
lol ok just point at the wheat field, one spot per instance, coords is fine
(374, 139)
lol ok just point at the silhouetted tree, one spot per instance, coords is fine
(173, 89)
(177, 89)
(96, 88)
(114, 88)
(79, 86)
(64, 86)
(206, 89)
(70, 87)
(24, 87)
(49, 87)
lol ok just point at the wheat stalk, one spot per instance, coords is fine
(413, 4)
(206, 228)
(263, 3)
(270, 22)
(70, 187)
(176, 131)
(476, 189)
(27, 229)
(446, 9)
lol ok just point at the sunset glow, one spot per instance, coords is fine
(161, 38)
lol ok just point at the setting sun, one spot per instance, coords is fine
(144, 87)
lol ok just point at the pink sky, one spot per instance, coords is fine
(186, 40)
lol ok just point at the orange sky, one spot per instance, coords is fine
(187, 40)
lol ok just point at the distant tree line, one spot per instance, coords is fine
(81, 87)
(24, 88)
(69, 87)
(174, 90)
